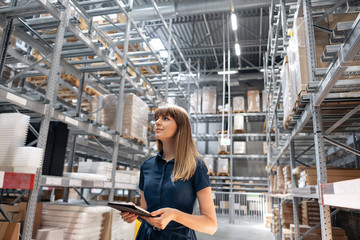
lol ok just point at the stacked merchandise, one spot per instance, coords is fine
(210, 165)
(268, 220)
(308, 177)
(101, 168)
(280, 178)
(223, 166)
(310, 213)
(107, 115)
(14, 157)
(135, 115)
(121, 230)
(239, 147)
(287, 217)
(265, 148)
(288, 91)
(253, 101)
(135, 118)
(209, 100)
(287, 178)
(125, 176)
(296, 173)
(349, 221)
(195, 102)
(78, 222)
(337, 233)
(238, 105)
(239, 124)
(275, 228)
(272, 186)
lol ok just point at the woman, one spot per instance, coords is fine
(171, 182)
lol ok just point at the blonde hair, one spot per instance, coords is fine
(186, 153)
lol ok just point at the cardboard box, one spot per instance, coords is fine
(9, 231)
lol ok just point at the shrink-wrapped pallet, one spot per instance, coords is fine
(239, 123)
(301, 66)
(239, 147)
(265, 101)
(195, 101)
(265, 147)
(253, 101)
(135, 115)
(209, 100)
(210, 164)
(287, 73)
(223, 165)
(238, 105)
(135, 118)
(222, 149)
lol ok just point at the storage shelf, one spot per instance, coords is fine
(52, 181)
(345, 194)
(245, 157)
(239, 178)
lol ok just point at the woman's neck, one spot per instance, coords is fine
(168, 150)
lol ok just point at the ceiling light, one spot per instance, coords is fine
(233, 22)
(237, 49)
(227, 72)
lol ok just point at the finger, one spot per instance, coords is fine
(157, 212)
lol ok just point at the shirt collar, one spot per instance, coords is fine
(160, 157)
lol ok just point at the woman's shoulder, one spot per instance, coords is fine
(200, 164)
(149, 161)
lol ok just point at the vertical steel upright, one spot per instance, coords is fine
(168, 62)
(120, 103)
(51, 95)
(325, 217)
(295, 200)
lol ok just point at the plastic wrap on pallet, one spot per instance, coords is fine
(239, 147)
(135, 118)
(195, 101)
(301, 66)
(209, 100)
(107, 115)
(253, 101)
(223, 165)
(265, 100)
(239, 123)
(238, 104)
(265, 147)
(222, 148)
(288, 76)
(210, 164)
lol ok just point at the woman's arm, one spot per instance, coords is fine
(205, 222)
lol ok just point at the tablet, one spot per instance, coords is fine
(129, 207)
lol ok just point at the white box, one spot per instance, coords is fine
(239, 123)
(239, 147)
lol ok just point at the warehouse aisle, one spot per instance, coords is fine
(244, 230)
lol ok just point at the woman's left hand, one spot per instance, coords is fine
(161, 217)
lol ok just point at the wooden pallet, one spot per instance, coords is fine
(223, 174)
(239, 131)
(223, 153)
(219, 131)
(135, 139)
(243, 111)
(253, 111)
(211, 174)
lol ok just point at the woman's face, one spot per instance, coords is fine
(165, 127)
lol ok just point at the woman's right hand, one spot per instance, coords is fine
(128, 217)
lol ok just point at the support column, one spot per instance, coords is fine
(325, 217)
(168, 62)
(293, 185)
(51, 95)
(357, 158)
(120, 104)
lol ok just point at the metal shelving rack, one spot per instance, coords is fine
(286, 148)
(66, 15)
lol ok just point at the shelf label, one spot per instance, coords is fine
(71, 121)
(17, 99)
(225, 141)
(53, 181)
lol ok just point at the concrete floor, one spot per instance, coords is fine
(242, 230)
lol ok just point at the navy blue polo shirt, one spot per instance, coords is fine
(161, 191)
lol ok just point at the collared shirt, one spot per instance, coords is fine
(161, 191)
